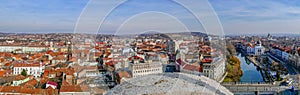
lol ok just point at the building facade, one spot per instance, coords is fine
(256, 49)
(141, 69)
(24, 49)
(215, 70)
(31, 69)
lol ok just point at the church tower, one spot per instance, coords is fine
(69, 51)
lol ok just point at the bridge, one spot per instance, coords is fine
(254, 87)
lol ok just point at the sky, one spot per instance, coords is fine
(237, 17)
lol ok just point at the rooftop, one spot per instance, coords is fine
(169, 84)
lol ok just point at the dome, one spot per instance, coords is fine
(169, 84)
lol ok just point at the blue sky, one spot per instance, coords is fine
(236, 16)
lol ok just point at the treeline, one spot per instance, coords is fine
(234, 71)
(230, 49)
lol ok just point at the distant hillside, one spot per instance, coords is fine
(275, 34)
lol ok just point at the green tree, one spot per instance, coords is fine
(24, 73)
(234, 71)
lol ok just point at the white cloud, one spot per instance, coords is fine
(263, 27)
(258, 17)
(148, 21)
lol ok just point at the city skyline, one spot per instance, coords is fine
(143, 47)
(236, 17)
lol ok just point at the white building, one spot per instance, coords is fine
(141, 69)
(215, 70)
(258, 49)
(24, 49)
(32, 69)
(86, 71)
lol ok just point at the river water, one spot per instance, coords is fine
(251, 73)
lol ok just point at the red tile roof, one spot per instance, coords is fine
(8, 64)
(66, 87)
(52, 83)
(26, 65)
(60, 57)
(111, 63)
(124, 74)
(180, 62)
(25, 90)
(135, 57)
(206, 60)
(2, 73)
(19, 77)
(31, 83)
(49, 51)
(192, 68)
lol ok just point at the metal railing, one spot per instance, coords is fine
(256, 88)
(247, 83)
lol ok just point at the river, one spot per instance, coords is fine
(251, 73)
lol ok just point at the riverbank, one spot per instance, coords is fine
(254, 61)
(264, 72)
(250, 72)
(234, 71)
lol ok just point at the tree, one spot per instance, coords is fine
(24, 73)
(234, 71)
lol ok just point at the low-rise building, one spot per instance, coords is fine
(23, 49)
(141, 69)
(34, 69)
(185, 67)
(256, 49)
(215, 69)
(69, 89)
(19, 90)
(122, 76)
